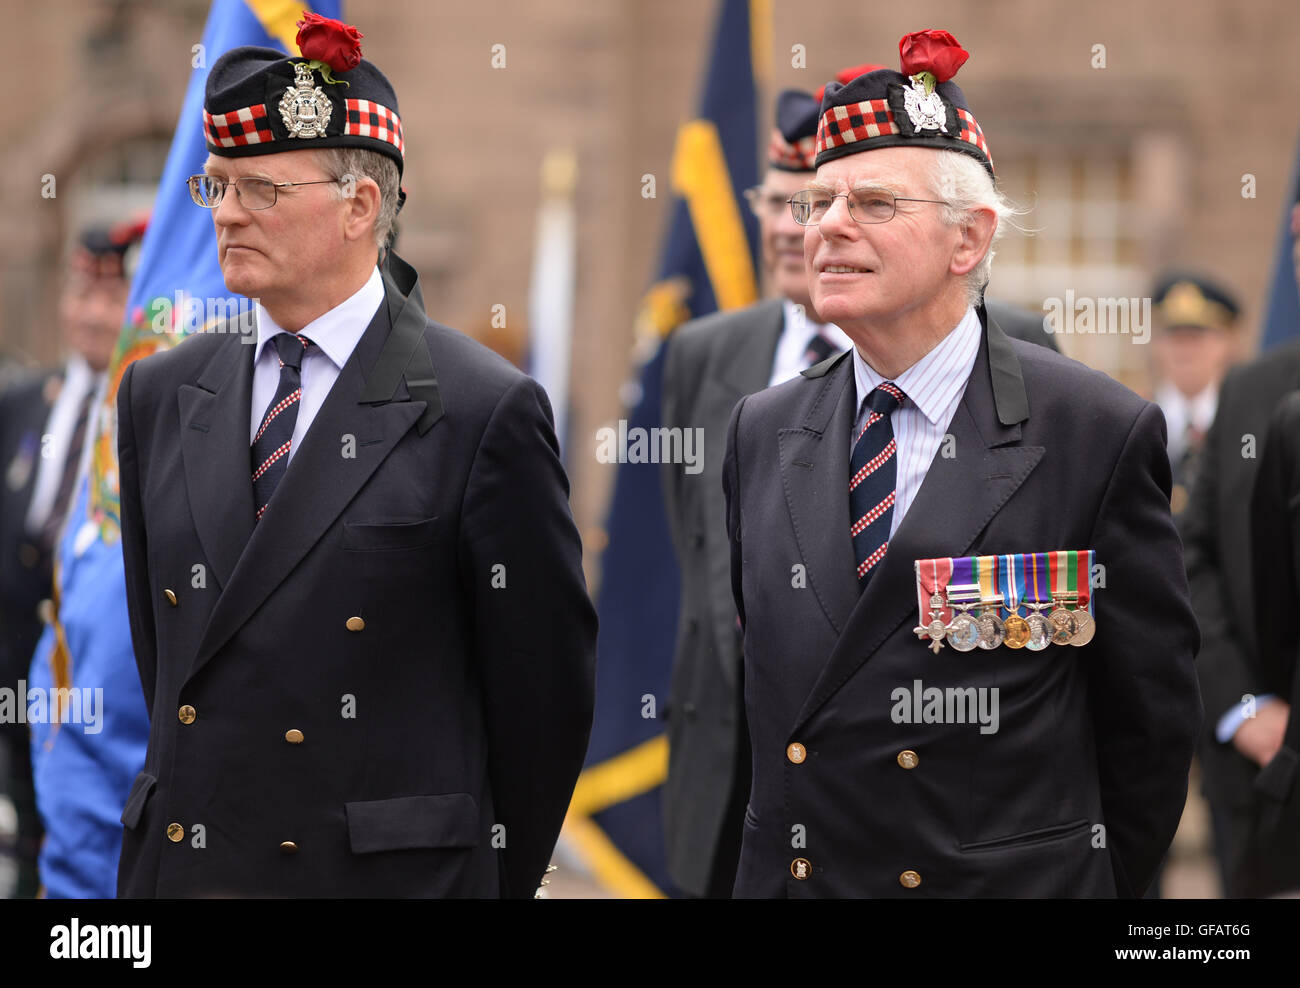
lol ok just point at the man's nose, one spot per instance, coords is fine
(229, 210)
(837, 221)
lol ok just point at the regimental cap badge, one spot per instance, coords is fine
(925, 107)
(304, 107)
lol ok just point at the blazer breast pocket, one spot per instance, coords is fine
(388, 535)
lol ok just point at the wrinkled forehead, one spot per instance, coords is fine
(900, 170)
(282, 166)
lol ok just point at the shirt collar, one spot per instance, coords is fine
(337, 331)
(934, 381)
(796, 316)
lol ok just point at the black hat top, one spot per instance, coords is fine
(257, 101)
(917, 107)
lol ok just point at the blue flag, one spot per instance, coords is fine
(83, 768)
(708, 263)
(1282, 321)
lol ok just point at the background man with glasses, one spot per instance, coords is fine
(938, 438)
(712, 363)
(382, 686)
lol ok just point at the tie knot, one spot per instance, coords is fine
(885, 398)
(291, 348)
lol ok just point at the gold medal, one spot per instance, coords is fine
(1015, 630)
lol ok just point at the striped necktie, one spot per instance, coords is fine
(274, 438)
(873, 472)
(819, 348)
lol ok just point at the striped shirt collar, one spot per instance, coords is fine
(935, 382)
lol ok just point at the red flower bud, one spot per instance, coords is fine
(936, 52)
(324, 39)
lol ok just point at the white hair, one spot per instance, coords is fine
(352, 163)
(965, 185)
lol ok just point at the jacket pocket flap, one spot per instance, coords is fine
(360, 536)
(447, 820)
(135, 800)
(1277, 778)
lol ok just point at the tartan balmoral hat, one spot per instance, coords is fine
(917, 107)
(257, 101)
(793, 137)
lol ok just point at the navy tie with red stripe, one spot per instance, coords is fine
(873, 473)
(274, 437)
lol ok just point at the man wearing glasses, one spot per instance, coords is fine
(712, 363)
(355, 586)
(901, 747)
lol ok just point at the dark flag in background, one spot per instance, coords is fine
(708, 263)
(1282, 321)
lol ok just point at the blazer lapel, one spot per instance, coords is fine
(958, 498)
(214, 413)
(320, 481)
(815, 477)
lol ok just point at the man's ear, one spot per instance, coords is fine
(362, 197)
(976, 236)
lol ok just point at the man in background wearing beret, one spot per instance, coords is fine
(1054, 760)
(712, 363)
(384, 685)
(45, 426)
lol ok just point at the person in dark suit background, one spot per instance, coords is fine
(45, 423)
(1273, 846)
(1246, 710)
(1193, 344)
(712, 363)
(384, 686)
(1077, 788)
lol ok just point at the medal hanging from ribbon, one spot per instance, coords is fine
(932, 577)
(1021, 600)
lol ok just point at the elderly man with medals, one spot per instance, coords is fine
(968, 644)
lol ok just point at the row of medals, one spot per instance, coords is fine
(988, 631)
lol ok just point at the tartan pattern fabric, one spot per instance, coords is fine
(842, 125)
(972, 134)
(237, 128)
(274, 438)
(796, 157)
(366, 118)
(873, 472)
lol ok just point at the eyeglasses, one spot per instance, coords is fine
(763, 203)
(810, 206)
(253, 193)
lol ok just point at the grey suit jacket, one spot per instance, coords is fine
(712, 363)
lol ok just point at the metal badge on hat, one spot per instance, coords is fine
(924, 106)
(304, 106)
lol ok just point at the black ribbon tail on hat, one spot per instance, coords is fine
(404, 354)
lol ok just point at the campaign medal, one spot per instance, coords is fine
(991, 630)
(1040, 629)
(931, 577)
(1015, 629)
(304, 107)
(1064, 625)
(964, 630)
(1085, 625)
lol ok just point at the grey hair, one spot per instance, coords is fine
(355, 163)
(965, 185)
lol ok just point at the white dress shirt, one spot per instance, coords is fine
(934, 386)
(78, 380)
(335, 335)
(792, 344)
(1183, 414)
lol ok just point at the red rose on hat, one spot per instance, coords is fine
(324, 39)
(936, 52)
